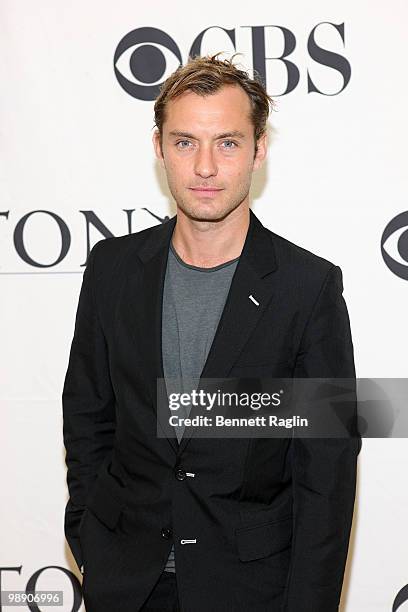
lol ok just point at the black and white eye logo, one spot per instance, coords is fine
(401, 598)
(143, 59)
(394, 245)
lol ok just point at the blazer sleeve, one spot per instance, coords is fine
(88, 403)
(323, 469)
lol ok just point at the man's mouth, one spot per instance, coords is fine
(206, 191)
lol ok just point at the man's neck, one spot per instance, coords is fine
(210, 243)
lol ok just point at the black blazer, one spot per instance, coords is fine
(271, 519)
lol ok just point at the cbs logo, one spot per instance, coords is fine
(394, 245)
(145, 57)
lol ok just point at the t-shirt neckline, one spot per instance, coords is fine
(191, 267)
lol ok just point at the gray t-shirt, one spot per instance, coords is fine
(193, 301)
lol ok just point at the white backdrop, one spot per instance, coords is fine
(73, 139)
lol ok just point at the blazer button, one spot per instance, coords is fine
(166, 533)
(180, 474)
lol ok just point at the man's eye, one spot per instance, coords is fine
(230, 144)
(182, 142)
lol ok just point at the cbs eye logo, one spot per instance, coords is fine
(143, 60)
(400, 599)
(394, 245)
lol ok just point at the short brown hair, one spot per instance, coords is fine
(206, 75)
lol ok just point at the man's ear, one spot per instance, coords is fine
(156, 139)
(262, 147)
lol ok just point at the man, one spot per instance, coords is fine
(204, 524)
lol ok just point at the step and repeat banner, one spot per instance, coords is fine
(79, 81)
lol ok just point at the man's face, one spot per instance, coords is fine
(208, 152)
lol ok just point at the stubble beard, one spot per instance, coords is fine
(210, 211)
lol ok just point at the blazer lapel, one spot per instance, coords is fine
(142, 311)
(241, 314)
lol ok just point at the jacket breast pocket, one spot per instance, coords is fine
(273, 369)
(263, 540)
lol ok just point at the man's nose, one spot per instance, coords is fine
(205, 164)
